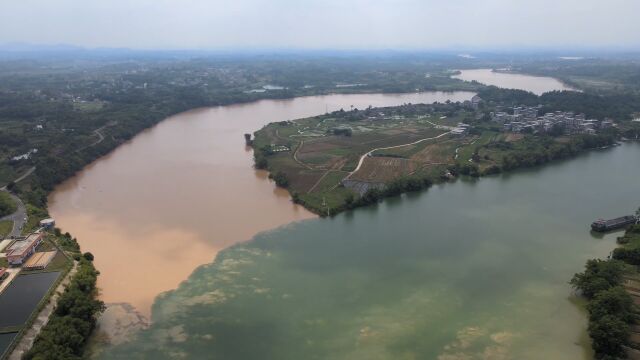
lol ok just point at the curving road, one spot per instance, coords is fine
(19, 217)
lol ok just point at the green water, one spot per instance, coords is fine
(469, 270)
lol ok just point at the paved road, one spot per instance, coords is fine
(19, 217)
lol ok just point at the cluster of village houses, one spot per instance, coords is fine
(526, 119)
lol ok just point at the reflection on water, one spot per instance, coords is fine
(170, 199)
(469, 270)
(536, 84)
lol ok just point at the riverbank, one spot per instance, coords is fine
(36, 293)
(50, 171)
(612, 287)
(348, 159)
(146, 225)
(134, 234)
(484, 263)
(133, 243)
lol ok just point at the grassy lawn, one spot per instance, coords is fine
(46, 245)
(5, 227)
(7, 174)
(7, 205)
(467, 151)
(332, 199)
(58, 263)
(332, 179)
(34, 216)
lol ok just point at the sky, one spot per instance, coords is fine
(323, 24)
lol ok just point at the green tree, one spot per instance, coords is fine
(614, 301)
(599, 275)
(281, 179)
(609, 336)
(7, 205)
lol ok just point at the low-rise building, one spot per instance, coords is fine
(475, 101)
(525, 118)
(20, 250)
(461, 130)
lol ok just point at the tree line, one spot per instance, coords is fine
(74, 318)
(611, 308)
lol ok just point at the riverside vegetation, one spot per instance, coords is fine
(316, 158)
(7, 205)
(74, 318)
(59, 115)
(611, 288)
(76, 108)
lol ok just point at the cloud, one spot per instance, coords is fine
(321, 23)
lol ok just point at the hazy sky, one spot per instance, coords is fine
(322, 23)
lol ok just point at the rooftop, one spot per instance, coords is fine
(20, 246)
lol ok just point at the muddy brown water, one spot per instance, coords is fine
(171, 198)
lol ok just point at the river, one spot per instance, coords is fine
(462, 271)
(167, 201)
(536, 84)
(469, 270)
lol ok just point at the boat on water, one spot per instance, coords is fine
(602, 225)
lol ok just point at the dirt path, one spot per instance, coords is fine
(41, 320)
(391, 147)
(295, 156)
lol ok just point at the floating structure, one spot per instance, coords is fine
(20, 250)
(602, 225)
